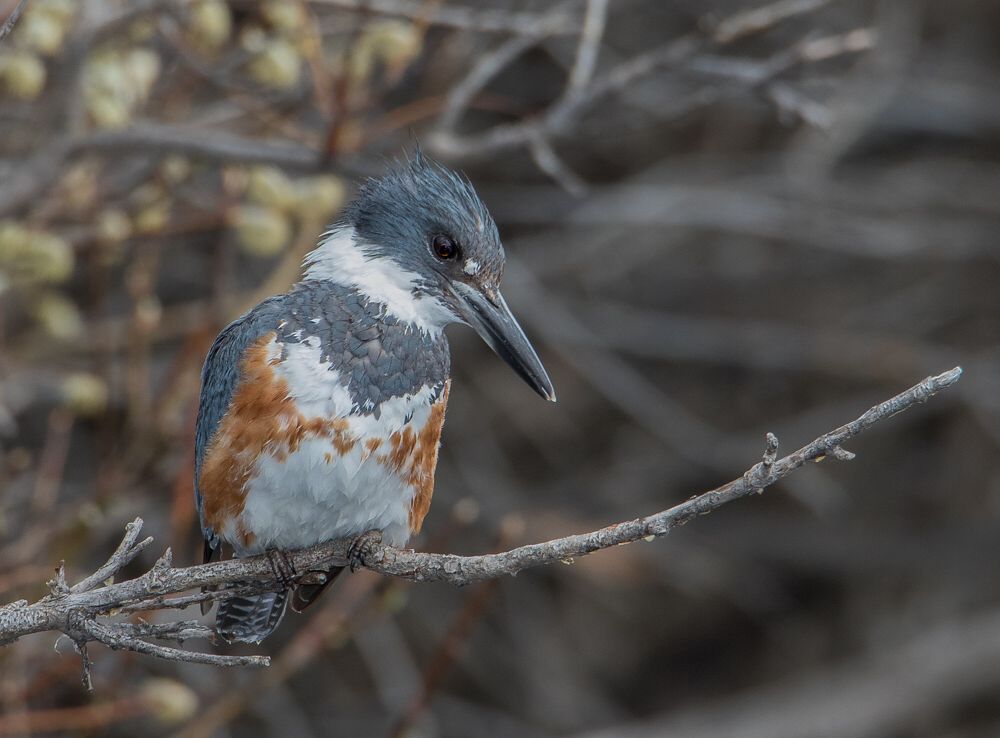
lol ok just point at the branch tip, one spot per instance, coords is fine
(841, 454)
(770, 450)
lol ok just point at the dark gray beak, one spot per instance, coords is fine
(495, 324)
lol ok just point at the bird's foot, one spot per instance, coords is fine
(361, 547)
(313, 577)
(282, 567)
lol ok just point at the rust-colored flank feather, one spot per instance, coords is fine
(242, 436)
(424, 461)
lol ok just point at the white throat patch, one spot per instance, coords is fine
(340, 259)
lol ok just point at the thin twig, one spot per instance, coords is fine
(8, 25)
(127, 550)
(180, 631)
(755, 20)
(549, 162)
(118, 639)
(491, 63)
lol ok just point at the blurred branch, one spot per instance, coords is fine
(356, 602)
(91, 717)
(584, 88)
(913, 674)
(8, 25)
(460, 17)
(74, 610)
(444, 657)
(548, 161)
(590, 43)
(489, 64)
(37, 172)
(756, 73)
(561, 115)
(199, 141)
(760, 19)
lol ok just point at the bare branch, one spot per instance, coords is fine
(180, 631)
(8, 25)
(590, 44)
(759, 19)
(127, 550)
(74, 611)
(466, 569)
(491, 63)
(119, 639)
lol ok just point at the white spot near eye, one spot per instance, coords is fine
(471, 267)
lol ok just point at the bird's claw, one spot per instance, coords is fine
(282, 567)
(361, 547)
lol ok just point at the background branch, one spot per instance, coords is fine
(8, 24)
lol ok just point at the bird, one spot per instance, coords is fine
(321, 409)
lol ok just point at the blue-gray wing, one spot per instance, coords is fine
(219, 378)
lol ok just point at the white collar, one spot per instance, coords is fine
(341, 258)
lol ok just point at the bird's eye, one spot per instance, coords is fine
(444, 248)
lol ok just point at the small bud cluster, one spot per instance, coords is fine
(272, 201)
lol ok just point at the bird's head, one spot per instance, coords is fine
(420, 241)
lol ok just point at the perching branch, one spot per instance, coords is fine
(74, 610)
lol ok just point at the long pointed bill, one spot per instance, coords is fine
(495, 324)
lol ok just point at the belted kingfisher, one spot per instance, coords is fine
(321, 409)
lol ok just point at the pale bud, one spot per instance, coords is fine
(211, 23)
(169, 701)
(262, 231)
(283, 16)
(85, 394)
(278, 65)
(270, 186)
(318, 198)
(58, 316)
(41, 32)
(23, 75)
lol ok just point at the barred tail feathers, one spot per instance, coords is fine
(250, 619)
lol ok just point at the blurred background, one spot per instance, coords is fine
(722, 218)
